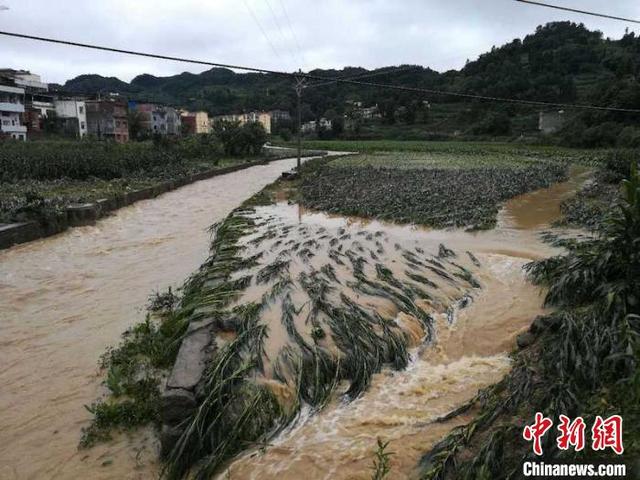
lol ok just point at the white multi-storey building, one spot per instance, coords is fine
(11, 109)
(72, 115)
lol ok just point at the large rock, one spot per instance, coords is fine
(176, 405)
(169, 436)
(193, 356)
(525, 339)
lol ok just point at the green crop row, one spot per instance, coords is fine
(82, 160)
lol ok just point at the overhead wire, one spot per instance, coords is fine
(264, 32)
(307, 76)
(296, 62)
(293, 32)
(575, 10)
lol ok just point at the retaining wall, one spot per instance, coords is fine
(86, 214)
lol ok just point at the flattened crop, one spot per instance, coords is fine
(439, 196)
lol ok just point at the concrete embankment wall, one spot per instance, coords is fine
(87, 214)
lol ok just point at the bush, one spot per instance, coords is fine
(616, 165)
(497, 123)
(285, 134)
(602, 135)
(629, 137)
(237, 139)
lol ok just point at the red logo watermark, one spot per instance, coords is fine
(605, 433)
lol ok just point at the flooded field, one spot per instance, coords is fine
(65, 299)
(468, 351)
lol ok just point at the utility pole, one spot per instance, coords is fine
(299, 86)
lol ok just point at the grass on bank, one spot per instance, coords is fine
(135, 370)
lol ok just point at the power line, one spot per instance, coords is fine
(488, 98)
(574, 10)
(264, 33)
(277, 23)
(364, 75)
(144, 54)
(293, 32)
(308, 76)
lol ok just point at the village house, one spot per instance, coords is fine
(71, 115)
(551, 122)
(107, 119)
(280, 116)
(368, 113)
(313, 125)
(355, 109)
(194, 123)
(263, 118)
(166, 121)
(157, 119)
(38, 102)
(11, 110)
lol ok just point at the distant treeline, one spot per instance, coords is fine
(560, 62)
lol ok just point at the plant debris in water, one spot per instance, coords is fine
(311, 314)
(317, 316)
(583, 362)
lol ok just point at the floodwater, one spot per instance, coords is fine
(542, 207)
(65, 299)
(467, 354)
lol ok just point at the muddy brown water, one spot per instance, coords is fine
(65, 299)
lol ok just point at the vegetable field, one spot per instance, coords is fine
(438, 189)
(463, 148)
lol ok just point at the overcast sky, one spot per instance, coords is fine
(441, 34)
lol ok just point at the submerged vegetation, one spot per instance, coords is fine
(381, 465)
(441, 189)
(295, 325)
(301, 311)
(313, 313)
(135, 370)
(584, 362)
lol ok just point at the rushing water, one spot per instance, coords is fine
(468, 354)
(64, 299)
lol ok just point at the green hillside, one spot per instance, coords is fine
(560, 62)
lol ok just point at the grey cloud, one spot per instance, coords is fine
(331, 33)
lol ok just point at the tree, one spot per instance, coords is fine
(136, 127)
(495, 123)
(337, 126)
(238, 140)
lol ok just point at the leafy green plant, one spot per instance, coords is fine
(381, 464)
